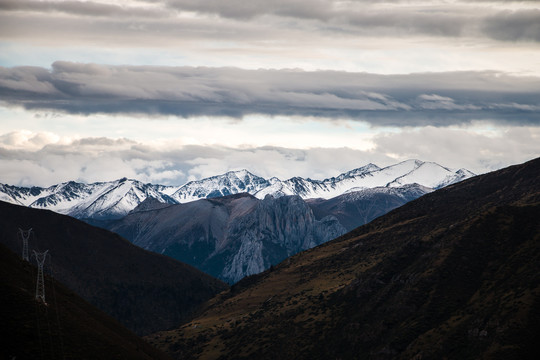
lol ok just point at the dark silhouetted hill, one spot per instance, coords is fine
(145, 291)
(66, 328)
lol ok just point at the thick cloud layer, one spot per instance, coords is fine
(467, 61)
(438, 99)
(372, 36)
(501, 20)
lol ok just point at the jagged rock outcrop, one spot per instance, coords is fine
(273, 231)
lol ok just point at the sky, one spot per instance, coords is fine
(170, 91)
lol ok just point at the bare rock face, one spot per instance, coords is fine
(273, 231)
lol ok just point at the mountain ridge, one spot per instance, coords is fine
(115, 199)
(229, 237)
(239, 235)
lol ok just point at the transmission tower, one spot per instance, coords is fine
(40, 285)
(25, 235)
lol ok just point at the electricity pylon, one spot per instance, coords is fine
(40, 285)
(25, 235)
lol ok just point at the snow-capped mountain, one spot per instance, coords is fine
(114, 199)
(230, 183)
(356, 208)
(428, 174)
(103, 200)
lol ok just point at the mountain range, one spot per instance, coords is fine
(229, 237)
(115, 199)
(238, 235)
(239, 224)
(453, 274)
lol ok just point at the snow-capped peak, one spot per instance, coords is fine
(232, 182)
(357, 172)
(117, 198)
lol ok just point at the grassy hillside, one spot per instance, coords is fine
(454, 274)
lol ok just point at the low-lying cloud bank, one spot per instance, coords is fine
(438, 99)
(44, 159)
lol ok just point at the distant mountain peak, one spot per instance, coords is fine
(239, 173)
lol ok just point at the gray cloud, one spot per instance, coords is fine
(103, 159)
(80, 8)
(514, 25)
(238, 9)
(438, 99)
(476, 151)
(159, 20)
(436, 18)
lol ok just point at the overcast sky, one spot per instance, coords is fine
(168, 91)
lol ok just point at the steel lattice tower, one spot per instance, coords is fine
(25, 235)
(40, 285)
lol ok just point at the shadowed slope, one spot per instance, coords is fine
(452, 274)
(145, 291)
(66, 328)
(360, 207)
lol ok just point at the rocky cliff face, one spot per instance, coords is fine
(230, 237)
(239, 235)
(273, 231)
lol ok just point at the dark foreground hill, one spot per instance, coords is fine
(454, 274)
(66, 328)
(145, 291)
